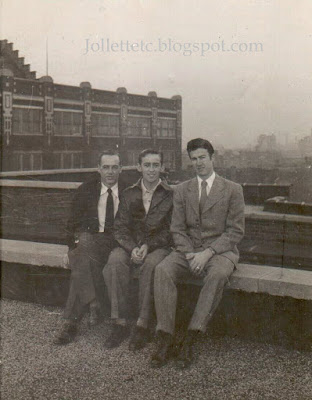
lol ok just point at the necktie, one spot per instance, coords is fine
(109, 217)
(203, 196)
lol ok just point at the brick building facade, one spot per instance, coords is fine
(45, 125)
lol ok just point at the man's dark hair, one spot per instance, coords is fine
(200, 143)
(151, 151)
(109, 153)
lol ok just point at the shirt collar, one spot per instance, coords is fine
(209, 180)
(144, 190)
(105, 188)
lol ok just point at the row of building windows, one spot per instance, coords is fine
(31, 161)
(26, 161)
(27, 121)
(104, 125)
(66, 123)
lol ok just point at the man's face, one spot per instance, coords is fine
(202, 162)
(150, 168)
(109, 169)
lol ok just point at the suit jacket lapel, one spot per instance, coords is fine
(193, 195)
(215, 194)
(98, 187)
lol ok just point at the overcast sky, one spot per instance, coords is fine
(228, 96)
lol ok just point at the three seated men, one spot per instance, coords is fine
(207, 224)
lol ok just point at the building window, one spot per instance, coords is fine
(133, 157)
(68, 159)
(27, 161)
(27, 121)
(166, 127)
(67, 123)
(104, 125)
(139, 127)
(169, 159)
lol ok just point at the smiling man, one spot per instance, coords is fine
(91, 240)
(142, 230)
(207, 224)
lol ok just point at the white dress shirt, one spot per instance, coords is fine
(209, 183)
(147, 195)
(102, 204)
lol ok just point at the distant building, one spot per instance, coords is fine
(266, 143)
(305, 146)
(45, 125)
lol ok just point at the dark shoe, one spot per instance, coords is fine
(118, 335)
(162, 354)
(94, 316)
(139, 338)
(185, 356)
(67, 333)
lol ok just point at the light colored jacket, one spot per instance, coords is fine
(221, 225)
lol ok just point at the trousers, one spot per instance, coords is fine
(117, 274)
(175, 269)
(86, 262)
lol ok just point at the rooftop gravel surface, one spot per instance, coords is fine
(225, 368)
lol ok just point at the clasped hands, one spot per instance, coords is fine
(198, 261)
(138, 254)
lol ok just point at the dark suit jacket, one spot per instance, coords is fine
(84, 214)
(221, 225)
(133, 227)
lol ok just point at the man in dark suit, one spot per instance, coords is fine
(142, 230)
(91, 240)
(207, 224)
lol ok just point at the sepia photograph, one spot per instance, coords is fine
(156, 199)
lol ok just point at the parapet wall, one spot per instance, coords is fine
(254, 193)
(38, 211)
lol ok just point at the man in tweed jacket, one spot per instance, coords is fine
(207, 224)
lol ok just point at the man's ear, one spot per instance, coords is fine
(162, 168)
(139, 167)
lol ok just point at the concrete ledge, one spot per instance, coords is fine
(16, 174)
(33, 253)
(39, 184)
(273, 280)
(248, 278)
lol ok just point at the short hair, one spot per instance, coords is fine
(200, 143)
(109, 153)
(151, 151)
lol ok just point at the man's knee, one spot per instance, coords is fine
(118, 259)
(118, 255)
(165, 269)
(220, 270)
(153, 259)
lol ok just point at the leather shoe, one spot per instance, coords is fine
(139, 338)
(67, 333)
(162, 354)
(118, 335)
(185, 356)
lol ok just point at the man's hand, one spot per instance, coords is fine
(135, 257)
(198, 261)
(143, 251)
(138, 254)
